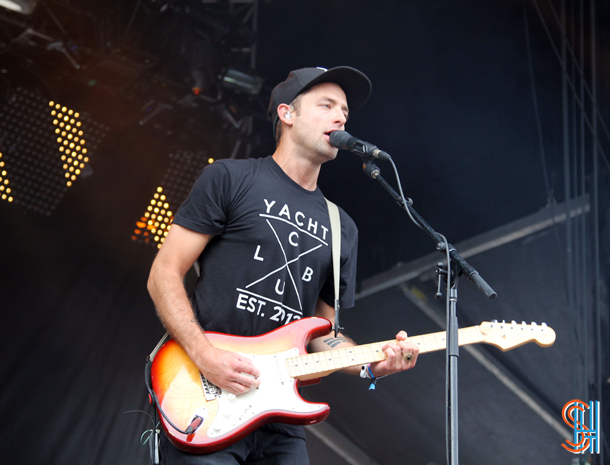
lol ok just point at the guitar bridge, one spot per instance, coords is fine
(210, 390)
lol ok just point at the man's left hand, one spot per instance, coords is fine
(401, 355)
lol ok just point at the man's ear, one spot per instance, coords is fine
(285, 113)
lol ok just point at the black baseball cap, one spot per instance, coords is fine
(354, 83)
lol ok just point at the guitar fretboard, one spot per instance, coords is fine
(324, 363)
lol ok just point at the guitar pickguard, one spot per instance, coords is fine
(276, 393)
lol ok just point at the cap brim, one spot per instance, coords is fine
(355, 84)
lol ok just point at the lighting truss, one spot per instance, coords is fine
(25, 7)
(44, 147)
(155, 223)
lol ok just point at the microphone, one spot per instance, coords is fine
(344, 140)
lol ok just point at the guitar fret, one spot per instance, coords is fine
(420, 342)
(324, 363)
(468, 336)
(439, 339)
(431, 342)
(332, 360)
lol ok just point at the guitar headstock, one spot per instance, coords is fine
(507, 336)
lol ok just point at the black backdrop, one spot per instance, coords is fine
(452, 102)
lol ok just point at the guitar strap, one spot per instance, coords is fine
(165, 337)
(335, 229)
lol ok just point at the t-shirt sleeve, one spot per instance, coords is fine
(349, 261)
(205, 209)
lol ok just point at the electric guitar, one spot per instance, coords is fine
(199, 417)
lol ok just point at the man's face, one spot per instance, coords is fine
(322, 109)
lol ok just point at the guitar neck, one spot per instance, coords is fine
(318, 364)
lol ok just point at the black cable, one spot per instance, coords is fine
(596, 114)
(550, 199)
(132, 18)
(153, 395)
(594, 390)
(405, 203)
(572, 54)
(153, 430)
(583, 221)
(576, 269)
(567, 193)
(579, 336)
(56, 21)
(596, 241)
(528, 45)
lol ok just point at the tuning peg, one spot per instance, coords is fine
(494, 321)
(513, 322)
(544, 326)
(534, 325)
(524, 323)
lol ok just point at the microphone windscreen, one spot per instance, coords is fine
(342, 139)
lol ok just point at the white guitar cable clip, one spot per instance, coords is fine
(154, 447)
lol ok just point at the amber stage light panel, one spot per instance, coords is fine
(155, 222)
(46, 146)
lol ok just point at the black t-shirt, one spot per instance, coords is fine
(270, 258)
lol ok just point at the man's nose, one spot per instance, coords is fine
(340, 117)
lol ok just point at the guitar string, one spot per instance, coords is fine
(356, 355)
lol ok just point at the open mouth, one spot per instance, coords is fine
(327, 135)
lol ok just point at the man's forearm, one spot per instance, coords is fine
(174, 310)
(330, 342)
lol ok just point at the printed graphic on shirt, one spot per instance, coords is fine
(288, 261)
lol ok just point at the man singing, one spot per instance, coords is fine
(260, 230)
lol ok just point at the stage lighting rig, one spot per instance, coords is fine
(242, 82)
(153, 226)
(39, 32)
(25, 7)
(45, 146)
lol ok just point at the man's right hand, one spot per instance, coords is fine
(228, 370)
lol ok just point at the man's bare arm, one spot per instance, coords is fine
(165, 285)
(394, 362)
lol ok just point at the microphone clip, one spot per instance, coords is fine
(370, 168)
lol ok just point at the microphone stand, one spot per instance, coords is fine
(456, 266)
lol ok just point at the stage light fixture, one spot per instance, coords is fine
(39, 166)
(25, 7)
(241, 82)
(5, 190)
(155, 223)
(69, 137)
